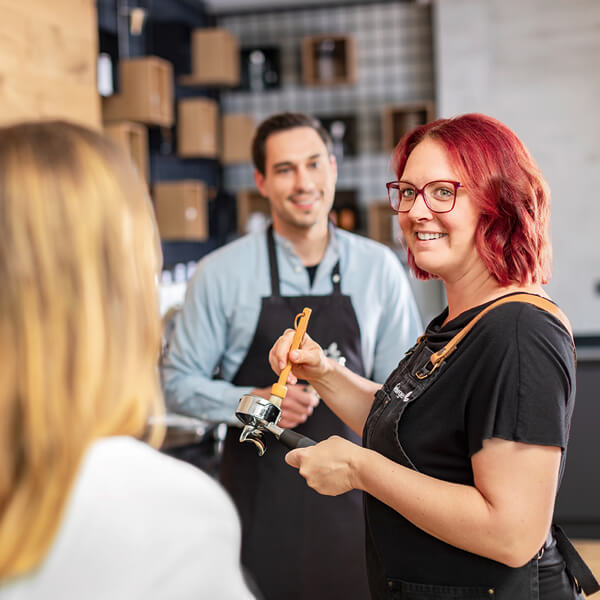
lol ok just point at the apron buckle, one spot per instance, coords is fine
(424, 372)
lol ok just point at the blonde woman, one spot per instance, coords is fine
(86, 509)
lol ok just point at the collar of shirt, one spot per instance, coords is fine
(330, 258)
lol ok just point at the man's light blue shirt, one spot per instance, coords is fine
(215, 328)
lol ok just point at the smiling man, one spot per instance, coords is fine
(296, 544)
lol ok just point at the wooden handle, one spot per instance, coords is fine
(300, 324)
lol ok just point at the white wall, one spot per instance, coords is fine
(535, 65)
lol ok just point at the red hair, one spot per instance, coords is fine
(501, 177)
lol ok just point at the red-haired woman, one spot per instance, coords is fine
(464, 445)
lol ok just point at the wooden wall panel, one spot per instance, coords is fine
(48, 53)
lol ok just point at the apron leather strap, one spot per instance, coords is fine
(273, 262)
(437, 358)
(581, 574)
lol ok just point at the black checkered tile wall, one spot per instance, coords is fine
(394, 64)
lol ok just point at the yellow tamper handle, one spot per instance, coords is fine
(279, 390)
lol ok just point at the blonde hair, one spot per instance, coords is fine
(79, 321)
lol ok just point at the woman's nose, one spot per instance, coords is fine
(419, 209)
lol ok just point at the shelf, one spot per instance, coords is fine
(133, 138)
(145, 92)
(328, 60)
(249, 203)
(237, 131)
(399, 119)
(380, 223)
(181, 210)
(197, 128)
(342, 129)
(215, 59)
(260, 68)
(345, 212)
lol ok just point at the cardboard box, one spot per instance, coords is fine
(380, 222)
(328, 59)
(181, 210)
(250, 202)
(215, 58)
(145, 92)
(237, 133)
(133, 138)
(399, 119)
(197, 128)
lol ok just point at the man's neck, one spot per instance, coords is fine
(309, 244)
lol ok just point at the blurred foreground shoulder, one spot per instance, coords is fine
(196, 528)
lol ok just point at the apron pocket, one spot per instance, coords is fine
(406, 590)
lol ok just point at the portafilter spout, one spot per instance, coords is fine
(255, 413)
(260, 415)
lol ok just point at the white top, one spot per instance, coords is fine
(140, 524)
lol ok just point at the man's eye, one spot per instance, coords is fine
(283, 170)
(314, 164)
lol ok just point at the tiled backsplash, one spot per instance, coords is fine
(394, 64)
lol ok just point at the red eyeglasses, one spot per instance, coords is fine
(439, 195)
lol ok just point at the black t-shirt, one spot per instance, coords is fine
(312, 271)
(512, 377)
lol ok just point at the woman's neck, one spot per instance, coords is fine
(463, 295)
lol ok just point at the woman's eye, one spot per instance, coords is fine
(444, 193)
(407, 193)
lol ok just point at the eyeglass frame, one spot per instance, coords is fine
(421, 191)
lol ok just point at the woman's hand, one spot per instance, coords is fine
(308, 362)
(347, 394)
(329, 467)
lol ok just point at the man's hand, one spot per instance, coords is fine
(297, 405)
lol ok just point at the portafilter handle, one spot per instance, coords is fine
(289, 438)
(294, 440)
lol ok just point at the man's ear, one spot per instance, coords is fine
(259, 180)
(333, 161)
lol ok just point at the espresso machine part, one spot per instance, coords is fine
(259, 415)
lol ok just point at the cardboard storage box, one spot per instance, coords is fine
(215, 58)
(181, 210)
(328, 59)
(197, 128)
(145, 92)
(133, 138)
(401, 118)
(250, 202)
(237, 133)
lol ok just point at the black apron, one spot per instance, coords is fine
(297, 544)
(380, 434)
